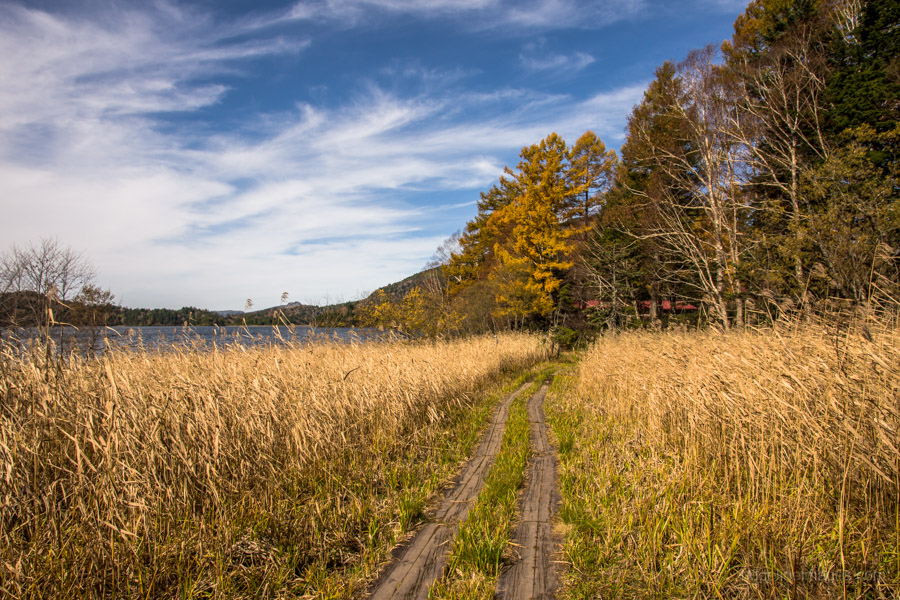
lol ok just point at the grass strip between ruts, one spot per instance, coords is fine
(422, 479)
(482, 544)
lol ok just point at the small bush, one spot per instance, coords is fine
(566, 338)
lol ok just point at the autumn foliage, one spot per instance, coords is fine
(755, 180)
(524, 239)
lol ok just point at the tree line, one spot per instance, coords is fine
(755, 179)
(763, 174)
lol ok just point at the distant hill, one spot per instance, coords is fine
(400, 288)
(21, 308)
(344, 314)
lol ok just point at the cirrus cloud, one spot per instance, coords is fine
(112, 137)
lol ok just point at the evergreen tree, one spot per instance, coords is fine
(864, 88)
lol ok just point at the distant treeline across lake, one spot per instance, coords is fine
(158, 338)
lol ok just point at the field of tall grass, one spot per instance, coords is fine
(761, 464)
(237, 473)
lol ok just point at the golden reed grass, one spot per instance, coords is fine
(227, 473)
(758, 464)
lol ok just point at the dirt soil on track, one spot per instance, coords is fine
(420, 562)
(533, 574)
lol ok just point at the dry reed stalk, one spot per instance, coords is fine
(737, 464)
(229, 473)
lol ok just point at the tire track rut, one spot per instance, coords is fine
(421, 562)
(533, 574)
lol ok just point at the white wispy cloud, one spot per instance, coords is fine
(570, 13)
(58, 68)
(479, 14)
(536, 56)
(311, 201)
(353, 12)
(557, 62)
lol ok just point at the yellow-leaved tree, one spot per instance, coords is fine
(536, 254)
(520, 246)
(591, 172)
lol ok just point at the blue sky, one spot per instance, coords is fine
(204, 153)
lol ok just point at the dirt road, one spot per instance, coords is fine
(422, 561)
(533, 575)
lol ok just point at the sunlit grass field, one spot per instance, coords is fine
(760, 464)
(238, 473)
(743, 465)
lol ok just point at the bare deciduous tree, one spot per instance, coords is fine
(780, 125)
(702, 213)
(46, 268)
(35, 277)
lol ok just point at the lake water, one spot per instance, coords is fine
(201, 338)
